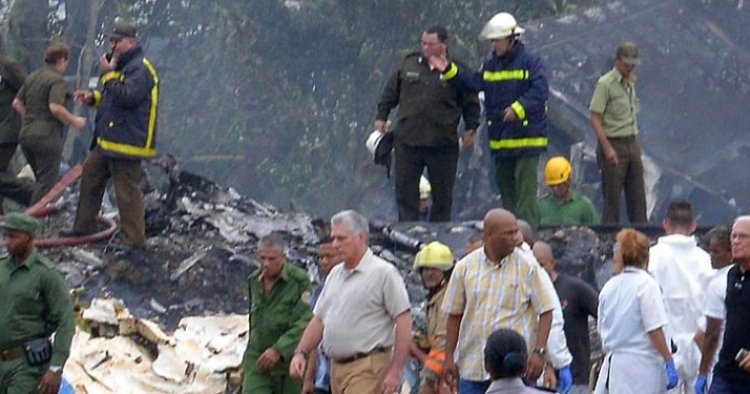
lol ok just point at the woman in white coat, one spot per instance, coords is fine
(631, 320)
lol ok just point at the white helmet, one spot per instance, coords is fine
(373, 140)
(501, 25)
(425, 189)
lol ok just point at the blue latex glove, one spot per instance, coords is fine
(566, 380)
(700, 384)
(672, 377)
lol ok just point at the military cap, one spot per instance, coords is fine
(122, 29)
(628, 53)
(17, 221)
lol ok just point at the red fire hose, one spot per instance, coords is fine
(43, 208)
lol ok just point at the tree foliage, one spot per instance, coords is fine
(273, 97)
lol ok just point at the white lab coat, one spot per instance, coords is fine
(683, 271)
(630, 306)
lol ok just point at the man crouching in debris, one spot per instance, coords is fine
(34, 303)
(279, 311)
(362, 301)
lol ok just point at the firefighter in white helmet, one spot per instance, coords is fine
(514, 82)
(435, 263)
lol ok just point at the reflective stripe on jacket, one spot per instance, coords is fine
(517, 80)
(128, 103)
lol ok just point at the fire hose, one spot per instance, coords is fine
(43, 208)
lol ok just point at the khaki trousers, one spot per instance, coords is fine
(360, 376)
(44, 154)
(126, 175)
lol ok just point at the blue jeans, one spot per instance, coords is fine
(472, 386)
(722, 385)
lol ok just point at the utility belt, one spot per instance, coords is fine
(38, 351)
(357, 356)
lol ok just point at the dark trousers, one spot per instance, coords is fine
(516, 180)
(43, 155)
(628, 175)
(126, 175)
(19, 190)
(441, 163)
(722, 385)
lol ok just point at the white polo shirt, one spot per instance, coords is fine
(359, 307)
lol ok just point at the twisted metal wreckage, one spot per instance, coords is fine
(201, 250)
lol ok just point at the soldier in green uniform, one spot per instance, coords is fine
(34, 303)
(11, 80)
(41, 102)
(279, 313)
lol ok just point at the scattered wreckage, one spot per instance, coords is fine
(201, 249)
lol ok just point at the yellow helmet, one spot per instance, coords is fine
(434, 255)
(557, 171)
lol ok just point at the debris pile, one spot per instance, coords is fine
(201, 249)
(124, 354)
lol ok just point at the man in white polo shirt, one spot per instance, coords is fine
(363, 300)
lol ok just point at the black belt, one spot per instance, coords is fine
(357, 356)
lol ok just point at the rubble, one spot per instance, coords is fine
(201, 250)
(137, 357)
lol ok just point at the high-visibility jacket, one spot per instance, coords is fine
(517, 80)
(127, 108)
(436, 330)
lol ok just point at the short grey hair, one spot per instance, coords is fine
(273, 240)
(354, 221)
(743, 218)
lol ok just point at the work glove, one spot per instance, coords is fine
(700, 384)
(672, 377)
(566, 380)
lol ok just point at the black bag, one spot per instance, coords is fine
(38, 351)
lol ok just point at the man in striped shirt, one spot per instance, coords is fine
(495, 287)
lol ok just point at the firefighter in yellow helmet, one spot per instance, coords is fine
(434, 263)
(563, 206)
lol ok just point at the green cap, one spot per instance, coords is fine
(628, 53)
(17, 221)
(122, 29)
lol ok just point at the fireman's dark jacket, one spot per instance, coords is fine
(128, 104)
(519, 80)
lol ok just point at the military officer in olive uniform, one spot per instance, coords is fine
(425, 134)
(279, 313)
(11, 80)
(41, 102)
(34, 303)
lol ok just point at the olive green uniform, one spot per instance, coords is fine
(41, 133)
(429, 110)
(11, 80)
(619, 107)
(575, 210)
(34, 303)
(277, 320)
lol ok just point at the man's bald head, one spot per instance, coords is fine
(500, 229)
(543, 253)
(526, 231)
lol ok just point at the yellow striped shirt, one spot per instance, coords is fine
(491, 296)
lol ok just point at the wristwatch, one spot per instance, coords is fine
(299, 351)
(541, 352)
(55, 369)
